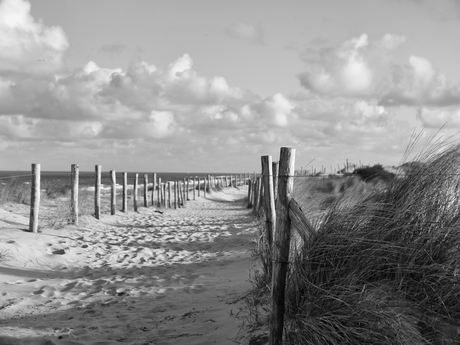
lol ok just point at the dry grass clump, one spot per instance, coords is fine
(14, 191)
(384, 269)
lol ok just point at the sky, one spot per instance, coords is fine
(213, 85)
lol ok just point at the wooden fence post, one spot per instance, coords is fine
(159, 192)
(188, 188)
(269, 199)
(199, 186)
(146, 188)
(250, 194)
(281, 243)
(194, 188)
(125, 192)
(256, 196)
(175, 194)
(136, 185)
(34, 198)
(204, 190)
(113, 192)
(164, 194)
(275, 166)
(169, 194)
(74, 175)
(154, 187)
(97, 193)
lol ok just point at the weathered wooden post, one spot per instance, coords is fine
(125, 192)
(175, 195)
(154, 187)
(275, 178)
(281, 243)
(146, 188)
(204, 189)
(180, 197)
(256, 196)
(113, 192)
(164, 194)
(199, 185)
(159, 192)
(260, 205)
(188, 188)
(250, 194)
(34, 198)
(269, 198)
(169, 194)
(194, 188)
(97, 193)
(136, 185)
(74, 176)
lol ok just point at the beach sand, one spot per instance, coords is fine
(145, 277)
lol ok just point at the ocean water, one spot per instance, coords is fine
(87, 178)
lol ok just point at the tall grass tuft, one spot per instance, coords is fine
(384, 269)
(14, 191)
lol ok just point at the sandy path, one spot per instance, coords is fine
(136, 278)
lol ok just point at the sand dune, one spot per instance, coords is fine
(135, 278)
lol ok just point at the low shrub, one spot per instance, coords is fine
(374, 172)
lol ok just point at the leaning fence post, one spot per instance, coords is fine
(281, 243)
(113, 190)
(74, 193)
(97, 193)
(136, 185)
(269, 199)
(125, 192)
(34, 198)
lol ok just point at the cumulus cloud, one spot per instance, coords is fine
(359, 68)
(246, 32)
(27, 45)
(438, 117)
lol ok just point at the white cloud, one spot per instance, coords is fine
(438, 117)
(360, 68)
(27, 45)
(246, 32)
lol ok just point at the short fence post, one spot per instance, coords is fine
(74, 175)
(204, 189)
(199, 186)
(97, 193)
(194, 188)
(136, 182)
(34, 198)
(281, 243)
(154, 187)
(125, 192)
(179, 196)
(159, 192)
(113, 192)
(250, 194)
(269, 199)
(169, 194)
(256, 196)
(146, 188)
(188, 188)
(163, 185)
(175, 194)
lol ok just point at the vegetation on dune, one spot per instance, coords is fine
(384, 264)
(14, 191)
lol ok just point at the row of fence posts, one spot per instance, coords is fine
(272, 192)
(170, 194)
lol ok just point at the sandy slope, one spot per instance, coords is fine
(135, 278)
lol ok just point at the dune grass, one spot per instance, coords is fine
(383, 266)
(14, 191)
